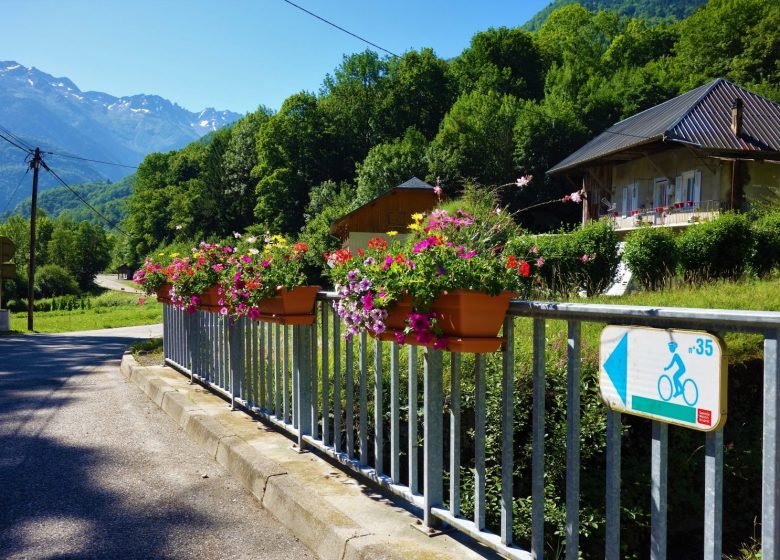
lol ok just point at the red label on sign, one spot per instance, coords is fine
(704, 417)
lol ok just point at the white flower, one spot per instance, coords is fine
(251, 239)
(576, 197)
(236, 235)
(178, 227)
(253, 251)
(524, 180)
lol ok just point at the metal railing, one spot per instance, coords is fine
(306, 380)
(674, 214)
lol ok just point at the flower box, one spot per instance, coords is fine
(164, 293)
(209, 300)
(469, 320)
(289, 307)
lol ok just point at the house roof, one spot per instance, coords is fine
(700, 118)
(413, 184)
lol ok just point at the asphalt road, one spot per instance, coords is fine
(110, 282)
(90, 468)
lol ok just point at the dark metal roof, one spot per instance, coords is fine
(700, 117)
(415, 183)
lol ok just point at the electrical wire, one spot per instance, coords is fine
(15, 144)
(341, 28)
(10, 198)
(87, 204)
(92, 160)
(15, 137)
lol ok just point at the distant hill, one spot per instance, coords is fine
(110, 199)
(56, 115)
(646, 9)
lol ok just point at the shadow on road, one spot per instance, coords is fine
(50, 501)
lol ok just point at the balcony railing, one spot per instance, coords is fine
(676, 214)
(311, 383)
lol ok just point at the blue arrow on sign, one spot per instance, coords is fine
(616, 367)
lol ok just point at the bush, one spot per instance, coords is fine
(651, 255)
(764, 254)
(53, 280)
(716, 249)
(585, 259)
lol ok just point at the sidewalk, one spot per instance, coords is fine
(334, 515)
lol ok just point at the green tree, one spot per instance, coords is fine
(81, 248)
(416, 92)
(503, 60)
(390, 164)
(475, 140)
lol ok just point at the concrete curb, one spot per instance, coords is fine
(291, 485)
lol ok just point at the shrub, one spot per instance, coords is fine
(53, 280)
(764, 254)
(715, 249)
(651, 255)
(584, 259)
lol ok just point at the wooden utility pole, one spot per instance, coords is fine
(34, 164)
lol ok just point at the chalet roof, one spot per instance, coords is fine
(412, 184)
(700, 118)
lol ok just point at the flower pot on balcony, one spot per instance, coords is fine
(290, 307)
(163, 293)
(209, 300)
(398, 313)
(471, 314)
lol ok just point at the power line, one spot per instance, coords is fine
(87, 204)
(15, 144)
(10, 198)
(341, 28)
(17, 138)
(92, 160)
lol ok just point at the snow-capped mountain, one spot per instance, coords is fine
(56, 115)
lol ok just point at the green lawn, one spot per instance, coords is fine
(109, 310)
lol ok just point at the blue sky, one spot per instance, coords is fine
(230, 54)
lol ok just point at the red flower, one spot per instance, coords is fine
(377, 243)
(511, 262)
(300, 247)
(524, 269)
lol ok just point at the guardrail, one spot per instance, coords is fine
(305, 380)
(676, 214)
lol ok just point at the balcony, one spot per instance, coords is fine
(677, 215)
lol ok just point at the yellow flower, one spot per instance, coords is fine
(415, 227)
(417, 217)
(392, 233)
(174, 255)
(160, 254)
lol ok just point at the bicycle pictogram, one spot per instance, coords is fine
(674, 386)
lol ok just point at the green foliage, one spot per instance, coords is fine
(585, 259)
(643, 9)
(651, 255)
(503, 60)
(715, 249)
(475, 141)
(390, 164)
(54, 280)
(81, 248)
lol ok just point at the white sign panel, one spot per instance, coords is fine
(673, 376)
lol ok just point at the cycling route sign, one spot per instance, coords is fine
(673, 376)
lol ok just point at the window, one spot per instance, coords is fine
(661, 192)
(630, 198)
(691, 188)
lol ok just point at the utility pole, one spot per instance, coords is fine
(34, 164)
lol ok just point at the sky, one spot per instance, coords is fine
(230, 54)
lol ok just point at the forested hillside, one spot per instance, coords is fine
(110, 199)
(512, 103)
(645, 9)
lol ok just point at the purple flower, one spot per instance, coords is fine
(253, 313)
(352, 275)
(223, 311)
(368, 301)
(364, 284)
(246, 259)
(441, 343)
(441, 271)
(400, 337)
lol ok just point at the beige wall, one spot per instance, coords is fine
(762, 183)
(360, 239)
(715, 175)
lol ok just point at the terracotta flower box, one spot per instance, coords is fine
(163, 294)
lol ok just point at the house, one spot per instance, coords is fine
(390, 211)
(714, 148)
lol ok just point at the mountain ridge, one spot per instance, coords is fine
(54, 113)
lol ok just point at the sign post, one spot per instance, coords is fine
(7, 270)
(672, 376)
